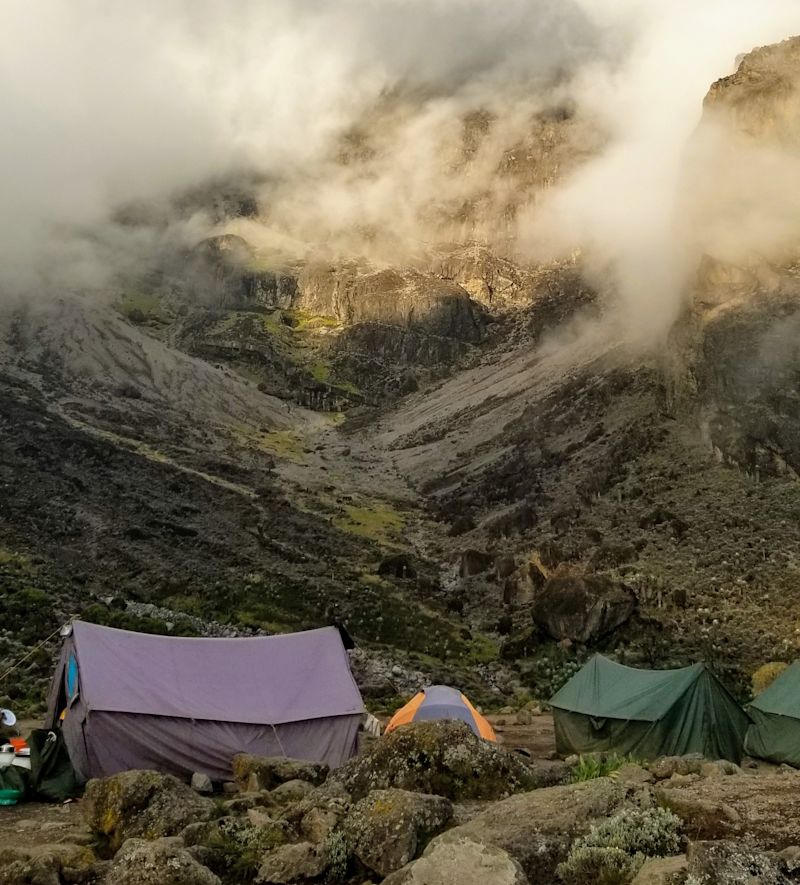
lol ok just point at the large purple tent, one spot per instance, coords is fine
(179, 705)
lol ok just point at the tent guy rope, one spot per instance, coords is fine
(32, 652)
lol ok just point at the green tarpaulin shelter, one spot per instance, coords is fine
(607, 707)
(775, 730)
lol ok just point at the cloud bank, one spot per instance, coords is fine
(371, 127)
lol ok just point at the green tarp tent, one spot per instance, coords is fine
(775, 730)
(607, 707)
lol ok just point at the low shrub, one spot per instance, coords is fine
(613, 850)
(588, 768)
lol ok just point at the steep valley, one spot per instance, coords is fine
(456, 456)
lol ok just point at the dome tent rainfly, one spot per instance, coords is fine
(441, 702)
(179, 705)
(607, 707)
(775, 730)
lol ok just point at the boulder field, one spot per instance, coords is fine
(431, 804)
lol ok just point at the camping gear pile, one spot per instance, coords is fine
(38, 768)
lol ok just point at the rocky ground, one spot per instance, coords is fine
(429, 804)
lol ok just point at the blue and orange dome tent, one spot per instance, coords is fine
(442, 702)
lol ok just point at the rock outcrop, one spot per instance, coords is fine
(254, 773)
(157, 862)
(141, 804)
(442, 758)
(582, 608)
(404, 298)
(537, 828)
(457, 858)
(389, 828)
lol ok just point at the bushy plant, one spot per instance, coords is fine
(613, 850)
(237, 849)
(337, 853)
(588, 768)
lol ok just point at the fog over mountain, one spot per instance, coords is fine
(109, 105)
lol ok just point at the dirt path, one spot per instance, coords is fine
(36, 825)
(538, 738)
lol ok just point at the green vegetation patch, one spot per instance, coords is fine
(379, 522)
(142, 308)
(614, 850)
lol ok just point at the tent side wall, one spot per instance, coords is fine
(578, 733)
(773, 737)
(101, 744)
(705, 719)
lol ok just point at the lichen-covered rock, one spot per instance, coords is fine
(443, 758)
(734, 863)
(456, 859)
(317, 815)
(141, 804)
(233, 847)
(254, 773)
(291, 791)
(389, 828)
(666, 766)
(702, 818)
(292, 863)
(157, 862)
(538, 828)
(634, 774)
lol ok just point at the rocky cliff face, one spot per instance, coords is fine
(737, 363)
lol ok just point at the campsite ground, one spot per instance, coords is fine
(35, 824)
(767, 794)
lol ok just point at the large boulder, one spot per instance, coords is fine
(253, 773)
(289, 864)
(702, 818)
(157, 862)
(457, 859)
(582, 608)
(734, 863)
(538, 828)
(320, 813)
(474, 562)
(444, 758)
(141, 804)
(763, 809)
(389, 828)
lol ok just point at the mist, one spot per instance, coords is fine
(352, 118)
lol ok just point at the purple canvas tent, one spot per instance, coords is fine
(178, 705)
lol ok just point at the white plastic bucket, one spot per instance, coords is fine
(22, 758)
(6, 755)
